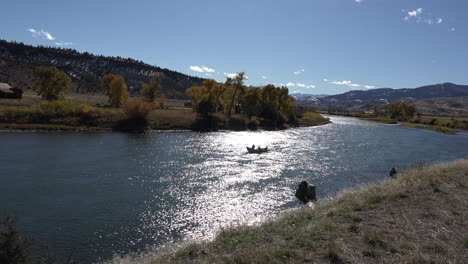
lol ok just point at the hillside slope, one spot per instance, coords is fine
(364, 100)
(17, 62)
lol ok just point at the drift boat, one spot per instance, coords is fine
(257, 150)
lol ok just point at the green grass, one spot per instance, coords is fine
(440, 129)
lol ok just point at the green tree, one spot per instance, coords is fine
(51, 83)
(149, 91)
(115, 87)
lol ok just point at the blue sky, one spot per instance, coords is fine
(312, 46)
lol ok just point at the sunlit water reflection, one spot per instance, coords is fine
(97, 194)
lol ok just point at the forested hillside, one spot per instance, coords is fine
(17, 62)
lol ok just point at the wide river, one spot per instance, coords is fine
(94, 195)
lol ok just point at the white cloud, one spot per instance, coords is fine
(61, 43)
(298, 72)
(414, 13)
(351, 84)
(201, 69)
(325, 80)
(452, 29)
(342, 83)
(230, 74)
(301, 85)
(358, 1)
(233, 74)
(418, 15)
(41, 33)
(264, 77)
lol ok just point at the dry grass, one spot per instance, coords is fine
(174, 115)
(313, 119)
(31, 98)
(419, 217)
(172, 118)
(440, 129)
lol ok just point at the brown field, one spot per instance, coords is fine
(444, 118)
(31, 98)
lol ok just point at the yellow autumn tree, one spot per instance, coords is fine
(149, 91)
(115, 88)
(51, 83)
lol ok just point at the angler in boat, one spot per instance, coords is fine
(257, 150)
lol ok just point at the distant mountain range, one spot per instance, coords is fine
(300, 95)
(17, 62)
(446, 98)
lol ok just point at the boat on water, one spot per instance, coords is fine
(257, 150)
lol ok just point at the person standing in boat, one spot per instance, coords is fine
(253, 146)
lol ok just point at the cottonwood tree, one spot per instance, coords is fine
(115, 87)
(51, 83)
(237, 82)
(149, 91)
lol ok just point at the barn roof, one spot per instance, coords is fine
(4, 87)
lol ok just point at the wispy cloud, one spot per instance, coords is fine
(264, 77)
(325, 80)
(41, 33)
(299, 72)
(301, 85)
(48, 36)
(419, 16)
(452, 29)
(341, 83)
(201, 69)
(61, 43)
(358, 1)
(351, 84)
(413, 13)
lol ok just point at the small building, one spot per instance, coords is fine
(6, 91)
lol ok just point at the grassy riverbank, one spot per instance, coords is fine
(440, 129)
(419, 217)
(89, 113)
(435, 123)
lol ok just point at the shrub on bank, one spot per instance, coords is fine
(253, 123)
(50, 111)
(237, 122)
(382, 119)
(137, 113)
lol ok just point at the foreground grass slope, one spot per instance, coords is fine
(419, 217)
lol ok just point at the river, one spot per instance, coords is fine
(94, 195)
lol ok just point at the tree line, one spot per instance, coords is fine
(51, 84)
(233, 97)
